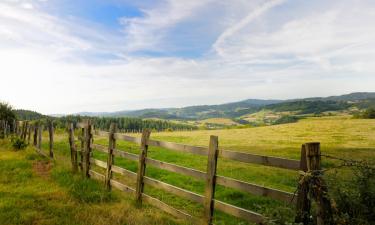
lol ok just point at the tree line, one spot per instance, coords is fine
(125, 124)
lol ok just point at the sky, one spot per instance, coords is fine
(67, 56)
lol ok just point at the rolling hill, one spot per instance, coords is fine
(249, 106)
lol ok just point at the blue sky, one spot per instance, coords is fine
(105, 55)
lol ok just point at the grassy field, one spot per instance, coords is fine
(339, 136)
(34, 191)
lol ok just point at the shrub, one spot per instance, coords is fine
(286, 119)
(7, 113)
(355, 197)
(367, 114)
(18, 143)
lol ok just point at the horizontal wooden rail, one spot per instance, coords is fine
(119, 136)
(198, 150)
(176, 169)
(221, 180)
(227, 208)
(99, 163)
(121, 187)
(260, 159)
(100, 148)
(125, 155)
(256, 189)
(101, 133)
(124, 172)
(239, 212)
(96, 175)
(179, 147)
(175, 190)
(169, 209)
(115, 169)
(81, 125)
(150, 200)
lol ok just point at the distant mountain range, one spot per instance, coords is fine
(360, 100)
(237, 109)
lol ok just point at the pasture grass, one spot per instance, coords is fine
(33, 192)
(339, 136)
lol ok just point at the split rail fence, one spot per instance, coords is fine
(82, 160)
(310, 153)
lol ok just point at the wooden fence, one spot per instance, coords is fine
(82, 160)
(213, 152)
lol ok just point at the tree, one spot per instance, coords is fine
(369, 114)
(6, 113)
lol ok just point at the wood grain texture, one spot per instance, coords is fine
(124, 172)
(176, 169)
(73, 148)
(211, 179)
(100, 148)
(169, 209)
(126, 155)
(124, 137)
(174, 190)
(260, 159)
(110, 156)
(256, 189)
(179, 147)
(247, 215)
(50, 134)
(142, 165)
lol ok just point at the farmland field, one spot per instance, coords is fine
(339, 136)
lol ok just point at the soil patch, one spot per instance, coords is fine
(42, 168)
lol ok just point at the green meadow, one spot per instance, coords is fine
(58, 197)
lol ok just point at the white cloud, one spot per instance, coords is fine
(44, 58)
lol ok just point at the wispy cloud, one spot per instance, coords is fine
(148, 31)
(234, 28)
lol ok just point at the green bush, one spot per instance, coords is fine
(367, 114)
(286, 119)
(355, 197)
(18, 143)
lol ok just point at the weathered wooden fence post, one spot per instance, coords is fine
(110, 158)
(82, 138)
(87, 148)
(40, 131)
(14, 127)
(312, 185)
(18, 130)
(319, 189)
(29, 133)
(73, 150)
(35, 138)
(23, 130)
(50, 132)
(142, 165)
(213, 152)
(303, 203)
(5, 128)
